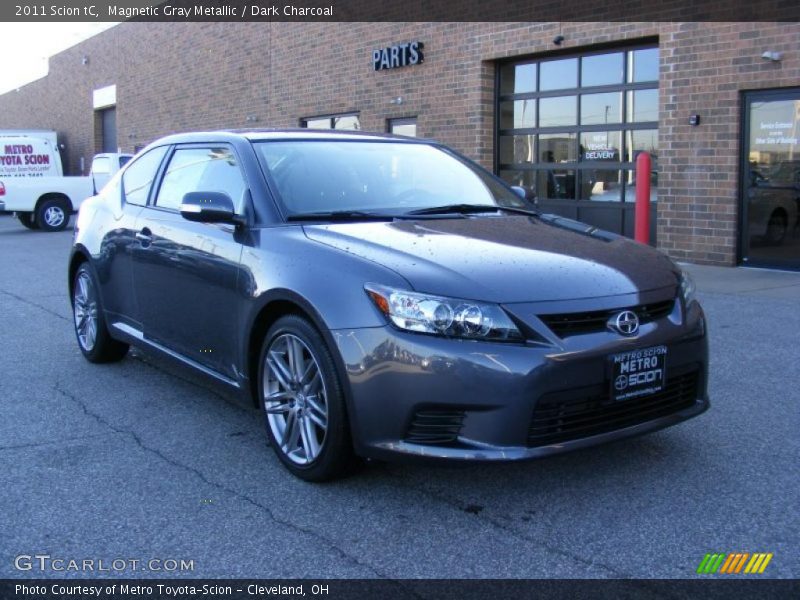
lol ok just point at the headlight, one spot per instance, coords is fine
(443, 316)
(688, 288)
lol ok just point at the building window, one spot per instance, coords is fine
(349, 122)
(571, 128)
(406, 127)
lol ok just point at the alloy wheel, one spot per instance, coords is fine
(54, 216)
(295, 399)
(85, 311)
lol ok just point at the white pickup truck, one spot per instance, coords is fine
(43, 201)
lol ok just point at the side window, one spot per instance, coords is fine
(124, 160)
(211, 169)
(138, 177)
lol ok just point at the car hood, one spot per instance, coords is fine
(504, 259)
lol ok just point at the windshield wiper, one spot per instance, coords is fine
(360, 215)
(340, 215)
(465, 209)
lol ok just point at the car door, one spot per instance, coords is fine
(127, 196)
(186, 273)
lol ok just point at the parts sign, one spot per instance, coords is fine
(399, 55)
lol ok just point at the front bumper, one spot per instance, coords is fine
(416, 396)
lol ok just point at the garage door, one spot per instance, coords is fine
(570, 127)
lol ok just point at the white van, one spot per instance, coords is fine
(29, 153)
(46, 202)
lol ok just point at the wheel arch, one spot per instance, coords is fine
(274, 305)
(79, 256)
(54, 196)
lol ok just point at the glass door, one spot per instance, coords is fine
(771, 180)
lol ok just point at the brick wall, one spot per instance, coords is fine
(174, 77)
(63, 100)
(705, 66)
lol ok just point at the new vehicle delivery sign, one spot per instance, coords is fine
(25, 160)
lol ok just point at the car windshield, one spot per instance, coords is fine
(323, 176)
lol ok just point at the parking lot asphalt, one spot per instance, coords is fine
(138, 460)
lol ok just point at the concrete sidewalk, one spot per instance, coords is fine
(746, 281)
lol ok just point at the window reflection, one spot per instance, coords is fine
(406, 127)
(630, 186)
(518, 114)
(516, 149)
(602, 69)
(601, 185)
(556, 183)
(200, 169)
(643, 65)
(318, 123)
(556, 147)
(518, 79)
(642, 140)
(601, 109)
(138, 179)
(558, 111)
(347, 122)
(525, 179)
(642, 106)
(558, 74)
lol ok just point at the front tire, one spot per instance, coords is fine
(303, 402)
(53, 214)
(95, 342)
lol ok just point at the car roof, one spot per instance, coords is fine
(269, 134)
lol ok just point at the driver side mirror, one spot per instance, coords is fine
(209, 207)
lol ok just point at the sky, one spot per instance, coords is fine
(28, 45)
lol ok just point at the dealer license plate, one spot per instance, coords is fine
(638, 373)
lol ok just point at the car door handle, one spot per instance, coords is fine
(144, 237)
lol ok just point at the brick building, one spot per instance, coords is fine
(566, 120)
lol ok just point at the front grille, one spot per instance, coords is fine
(567, 324)
(435, 427)
(564, 416)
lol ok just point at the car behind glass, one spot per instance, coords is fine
(385, 298)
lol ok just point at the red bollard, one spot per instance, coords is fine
(642, 210)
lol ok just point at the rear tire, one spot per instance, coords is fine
(91, 331)
(27, 220)
(303, 403)
(53, 214)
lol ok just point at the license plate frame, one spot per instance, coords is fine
(638, 373)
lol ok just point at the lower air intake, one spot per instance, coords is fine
(435, 427)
